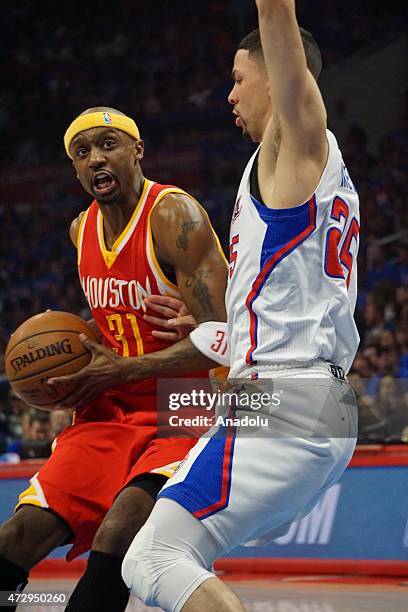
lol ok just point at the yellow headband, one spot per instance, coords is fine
(99, 119)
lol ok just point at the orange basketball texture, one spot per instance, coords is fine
(43, 347)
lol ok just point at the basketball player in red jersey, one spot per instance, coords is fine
(136, 238)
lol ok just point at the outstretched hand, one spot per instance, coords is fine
(105, 370)
(175, 317)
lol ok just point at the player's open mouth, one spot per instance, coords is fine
(238, 121)
(103, 183)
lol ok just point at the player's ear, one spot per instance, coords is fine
(139, 150)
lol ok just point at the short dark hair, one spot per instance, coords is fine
(252, 43)
(39, 416)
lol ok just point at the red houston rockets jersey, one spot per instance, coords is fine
(116, 281)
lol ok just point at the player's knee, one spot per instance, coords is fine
(137, 569)
(152, 567)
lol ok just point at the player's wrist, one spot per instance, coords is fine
(131, 369)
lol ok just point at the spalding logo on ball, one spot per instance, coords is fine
(43, 347)
(56, 348)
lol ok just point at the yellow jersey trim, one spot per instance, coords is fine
(155, 261)
(167, 470)
(31, 496)
(81, 230)
(30, 500)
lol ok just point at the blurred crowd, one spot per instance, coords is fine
(54, 65)
(164, 62)
(380, 370)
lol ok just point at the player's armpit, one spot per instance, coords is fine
(185, 240)
(74, 229)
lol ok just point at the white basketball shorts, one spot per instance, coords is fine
(248, 480)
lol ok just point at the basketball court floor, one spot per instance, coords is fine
(281, 594)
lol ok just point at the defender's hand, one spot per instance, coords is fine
(105, 370)
(178, 321)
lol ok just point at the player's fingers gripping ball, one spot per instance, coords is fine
(46, 346)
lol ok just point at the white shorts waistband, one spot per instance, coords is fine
(317, 367)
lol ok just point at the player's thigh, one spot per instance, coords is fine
(282, 466)
(272, 480)
(80, 480)
(248, 480)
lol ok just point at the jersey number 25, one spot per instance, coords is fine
(336, 257)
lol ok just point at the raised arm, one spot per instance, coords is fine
(298, 112)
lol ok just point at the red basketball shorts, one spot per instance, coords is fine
(92, 461)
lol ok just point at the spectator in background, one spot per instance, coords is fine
(3, 432)
(389, 362)
(15, 408)
(37, 431)
(378, 269)
(392, 407)
(371, 424)
(362, 366)
(371, 354)
(387, 340)
(374, 318)
(401, 299)
(402, 264)
(59, 420)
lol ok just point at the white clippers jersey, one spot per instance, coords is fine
(293, 278)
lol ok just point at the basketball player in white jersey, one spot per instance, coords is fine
(290, 303)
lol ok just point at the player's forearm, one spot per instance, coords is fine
(276, 12)
(179, 359)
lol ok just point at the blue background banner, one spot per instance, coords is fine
(364, 516)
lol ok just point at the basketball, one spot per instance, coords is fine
(45, 346)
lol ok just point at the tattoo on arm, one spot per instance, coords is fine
(177, 359)
(182, 239)
(200, 290)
